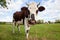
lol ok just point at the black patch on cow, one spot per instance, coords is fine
(32, 17)
(27, 31)
(24, 8)
(25, 12)
(41, 8)
(36, 11)
(18, 15)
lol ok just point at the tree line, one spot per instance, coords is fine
(48, 22)
(37, 22)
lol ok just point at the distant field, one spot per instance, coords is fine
(37, 32)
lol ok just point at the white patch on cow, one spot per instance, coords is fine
(26, 26)
(33, 7)
(18, 22)
(27, 35)
(13, 27)
(19, 28)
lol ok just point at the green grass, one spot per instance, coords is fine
(37, 32)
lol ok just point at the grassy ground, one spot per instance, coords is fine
(37, 32)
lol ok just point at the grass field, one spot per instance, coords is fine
(37, 32)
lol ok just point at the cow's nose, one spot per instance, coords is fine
(32, 17)
(32, 22)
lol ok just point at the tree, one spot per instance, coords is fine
(3, 3)
(49, 22)
(40, 22)
(2, 22)
(57, 21)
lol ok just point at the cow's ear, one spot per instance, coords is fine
(41, 8)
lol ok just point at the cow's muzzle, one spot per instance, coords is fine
(32, 22)
(32, 17)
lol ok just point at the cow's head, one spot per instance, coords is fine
(32, 11)
(34, 8)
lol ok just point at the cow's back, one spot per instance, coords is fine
(18, 16)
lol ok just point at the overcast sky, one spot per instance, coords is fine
(51, 13)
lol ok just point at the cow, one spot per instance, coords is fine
(27, 14)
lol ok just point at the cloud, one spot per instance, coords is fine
(52, 10)
(1, 13)
(6, 14)
(6, 19)
(51, 13)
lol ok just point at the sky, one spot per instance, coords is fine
(51, 12)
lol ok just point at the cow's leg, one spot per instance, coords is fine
(14, 24)
(27, 28)
(18, 23)
(18, 27)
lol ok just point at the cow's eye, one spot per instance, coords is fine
(34, 8)
(30, 7)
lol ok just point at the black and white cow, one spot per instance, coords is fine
(28, 15)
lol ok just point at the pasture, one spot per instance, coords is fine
(37, 32)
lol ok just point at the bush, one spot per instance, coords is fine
(2, 22)
(57, 21)
(40, 22)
